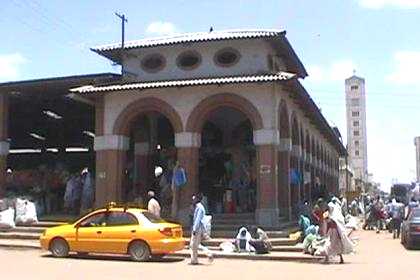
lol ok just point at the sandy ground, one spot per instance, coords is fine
(378, 257)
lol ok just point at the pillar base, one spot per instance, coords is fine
(267, 217)
(286, 213)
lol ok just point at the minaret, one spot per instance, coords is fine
(356, 126)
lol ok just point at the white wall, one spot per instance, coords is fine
(253, 60)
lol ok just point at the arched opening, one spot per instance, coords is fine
(227, 161)
(150, 159)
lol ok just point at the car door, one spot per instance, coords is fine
(89, 234)
(121, 228)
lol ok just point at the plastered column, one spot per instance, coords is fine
(187, 144)
(267, 212)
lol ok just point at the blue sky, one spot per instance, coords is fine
(380, 39)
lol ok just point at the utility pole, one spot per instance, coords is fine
(123, 21)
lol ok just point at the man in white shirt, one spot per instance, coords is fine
(153, 205)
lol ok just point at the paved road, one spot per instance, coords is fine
(378, 257)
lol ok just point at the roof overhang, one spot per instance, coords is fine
(89, 90)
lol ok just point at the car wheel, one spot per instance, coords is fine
(139, 251)
(59, 248)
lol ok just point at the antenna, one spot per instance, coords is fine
(123, 21)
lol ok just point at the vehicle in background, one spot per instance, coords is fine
(401, 192)
(118, 230)
(410, 229)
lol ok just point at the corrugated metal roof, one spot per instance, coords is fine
(192, 37)
(281, 76)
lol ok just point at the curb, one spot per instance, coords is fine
(297, 258)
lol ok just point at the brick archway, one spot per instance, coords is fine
(146, 105)
(201, 112)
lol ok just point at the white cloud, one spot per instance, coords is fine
(9, 66)
(406, 68)
(316, 73)
(336, 71)
(379, 4)
(161, 28)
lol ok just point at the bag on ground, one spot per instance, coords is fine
(25, 212)
(7, 219)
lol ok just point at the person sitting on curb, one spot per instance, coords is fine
(260, 241)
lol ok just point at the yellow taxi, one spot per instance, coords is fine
(119, 230)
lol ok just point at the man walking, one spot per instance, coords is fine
(153, 205)
(198, 230)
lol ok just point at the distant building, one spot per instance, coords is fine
(346, 182)
(417, 144)
(356, 127)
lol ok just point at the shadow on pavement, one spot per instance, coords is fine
(120, 258)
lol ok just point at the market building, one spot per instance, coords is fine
(227, 106)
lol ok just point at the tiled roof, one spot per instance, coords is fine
(281, 76)
(192, 37)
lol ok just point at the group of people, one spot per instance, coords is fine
(80, 193)
(388, 215)
(325, 229)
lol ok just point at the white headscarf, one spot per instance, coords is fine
(336, 215)
(247, 237)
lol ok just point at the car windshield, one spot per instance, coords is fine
(152, 218)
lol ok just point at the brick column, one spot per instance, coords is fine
(188, 145)
(284, 195)
(4, 144)
(267, 212)
(110, 161)
(141, 167)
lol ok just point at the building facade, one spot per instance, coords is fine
(417, 144)
(356, 127)
(227, 107)
(233, 93)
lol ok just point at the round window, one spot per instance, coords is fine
(188, 60)
(227, 57)
(153, 63)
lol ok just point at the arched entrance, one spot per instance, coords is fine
(227, 162)
(151, 148)
(143, 137)
(228, 159)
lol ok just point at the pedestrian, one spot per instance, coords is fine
(260, 240)
(88, 194)
(411, 205)
(317, 216)
(243, 241)
(340, 243)
(378, 212)
(198, 230)
(153, 205)
(397, 212)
